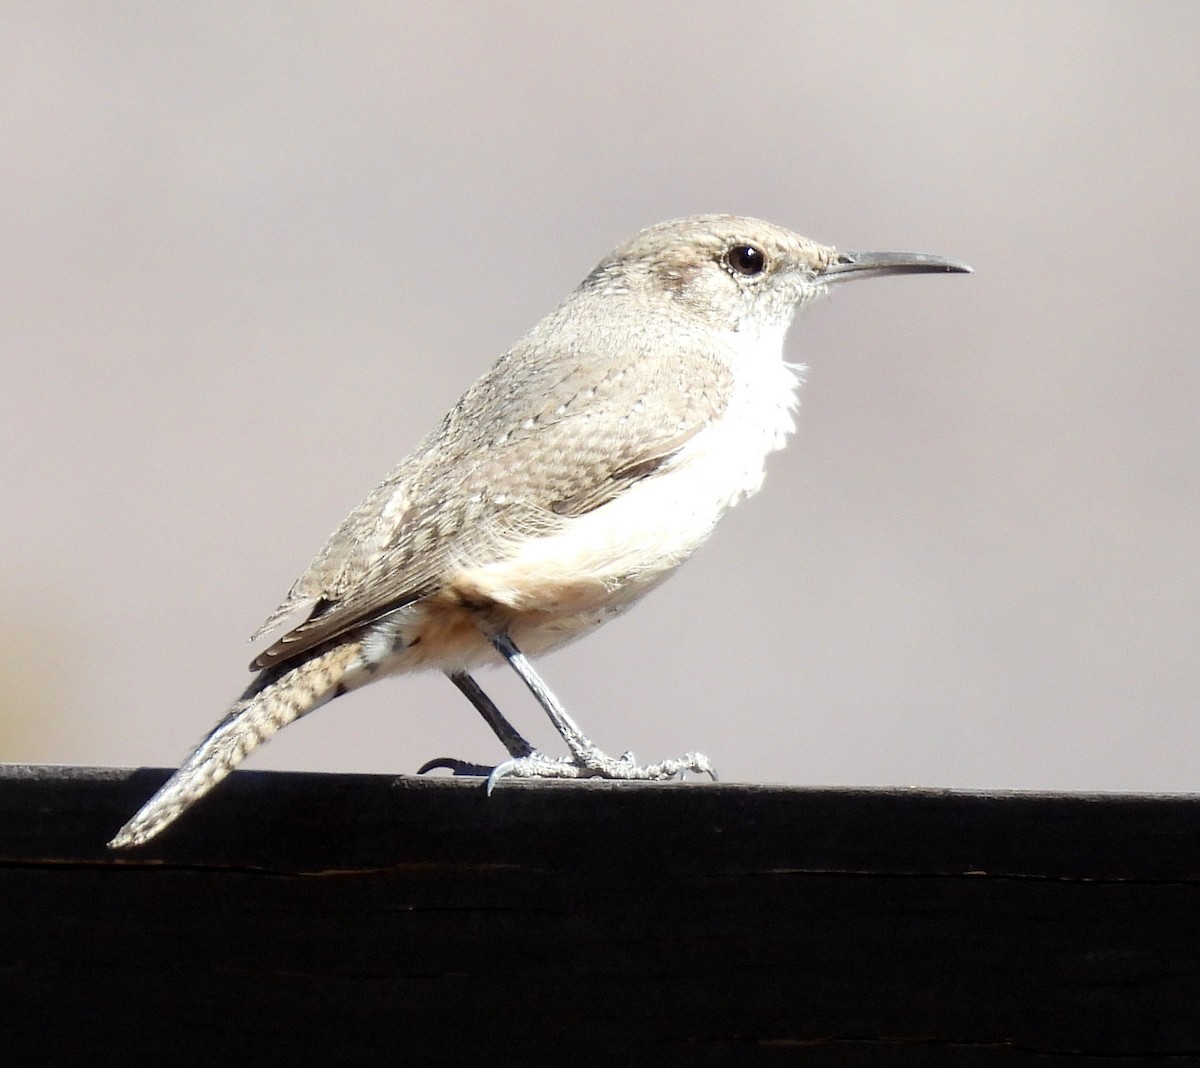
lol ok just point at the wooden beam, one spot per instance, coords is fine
(348, 919)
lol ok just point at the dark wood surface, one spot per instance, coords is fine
(345, 919)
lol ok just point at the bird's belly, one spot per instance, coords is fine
(549, 590)
(449, 630)
(610, 555)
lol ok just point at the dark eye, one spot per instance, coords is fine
(746, 259)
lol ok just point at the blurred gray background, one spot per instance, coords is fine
(249, 254)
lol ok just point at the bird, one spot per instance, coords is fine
(576, 475)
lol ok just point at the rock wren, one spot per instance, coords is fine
(594, 457)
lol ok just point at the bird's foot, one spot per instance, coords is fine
(591, 763)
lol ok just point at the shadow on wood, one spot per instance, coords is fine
(349, 919)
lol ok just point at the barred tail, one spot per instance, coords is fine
(272, 702)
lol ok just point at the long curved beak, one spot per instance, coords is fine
(847, 265)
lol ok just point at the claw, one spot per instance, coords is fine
(498, 773)
(456, 767)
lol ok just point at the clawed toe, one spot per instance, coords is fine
(590, 764)
(455, 767)
(537, 765)
(698, 764)
(594, 764)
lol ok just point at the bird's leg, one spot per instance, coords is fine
(586, 761)
(578, 742)
(509, 736)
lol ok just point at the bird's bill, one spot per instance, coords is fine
(847, 265)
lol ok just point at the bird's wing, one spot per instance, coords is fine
(527, 447)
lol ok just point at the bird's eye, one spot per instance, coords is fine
(747, 260)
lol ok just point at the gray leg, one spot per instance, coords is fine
(586, 761)
(578, 742)
(509, 736)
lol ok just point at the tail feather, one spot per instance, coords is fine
(272, 702)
